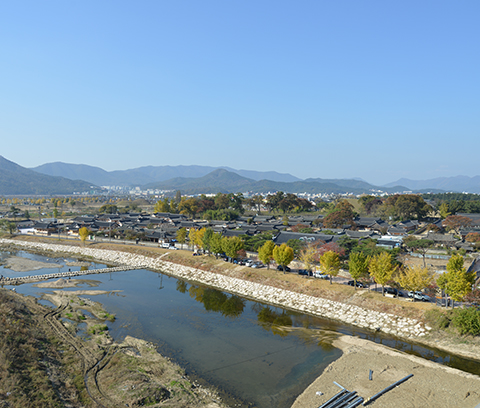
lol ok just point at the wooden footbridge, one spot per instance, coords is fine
(37, 278)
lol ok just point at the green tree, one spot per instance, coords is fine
(456, 282)
(265, 253)
(216, 244)
(420, 246)
(9, 226)
(182, 235)
(231, 246)
(83, 233)
(443, 210)
(207, 239)
(358, 266)
(381, 269)
(188, 206)
(330, 264)
(283, 255)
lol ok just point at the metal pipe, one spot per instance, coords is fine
(355, 403)
(348, 401)
(338, 403)
(336, 396)
(368, 401)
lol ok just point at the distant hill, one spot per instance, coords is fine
(18, 180)
(147, 174)
(223, 181)
(454, 184)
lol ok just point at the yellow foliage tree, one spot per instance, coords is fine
(330, 263)
(83, 233)
(415, 278)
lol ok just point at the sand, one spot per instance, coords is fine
(432, 385)
(19, 264)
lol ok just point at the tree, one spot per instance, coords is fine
(83, 233)
(207, 238)
(381, 269)
(405, 207)
(265, 252)
(443, 210)
(308, 256)
(456, 282)
(415, 278)
(283, 255)
(9, 226)
(358, 266)
(188, 207)
(162, 206)
(330, 263)
(455, 222)
(216, 244)
(419, 245)
(231, 246)
(343, 214)
(182, 235)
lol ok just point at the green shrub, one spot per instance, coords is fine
(438, 319)
(467, 321)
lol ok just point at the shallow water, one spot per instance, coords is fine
(257, 355)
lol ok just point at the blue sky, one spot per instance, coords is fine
(372, 89)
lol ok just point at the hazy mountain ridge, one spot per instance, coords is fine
(456, 184)
(223, 181)
(147, 174)
(18, 180)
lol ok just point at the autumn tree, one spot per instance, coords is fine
(283, 255)
(188, 206)
(162, 206)
(83, 233)
(330, 264)
(415, 278)
(265, 252)
(358, 266)
(342, 214)
(381, 269)
(456, 222)
(308, 256)
(443, 210)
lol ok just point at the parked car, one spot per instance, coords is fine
(359, 284)
(320, 275)
(172, 247)
(305, 272)
(393, 292)
(257, 265)
(281, 268)
(419, 296)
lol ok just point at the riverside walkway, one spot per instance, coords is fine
(36, 278)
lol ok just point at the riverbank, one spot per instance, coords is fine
(432, 385)
(44, 363)
(161, 260)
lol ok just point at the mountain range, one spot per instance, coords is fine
(18, 180)
(65, 178)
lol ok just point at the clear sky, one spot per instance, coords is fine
(332, 89)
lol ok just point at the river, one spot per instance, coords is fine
(256, 355)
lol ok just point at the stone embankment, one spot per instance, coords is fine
(354, 315)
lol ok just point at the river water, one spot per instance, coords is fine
(256, 355)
